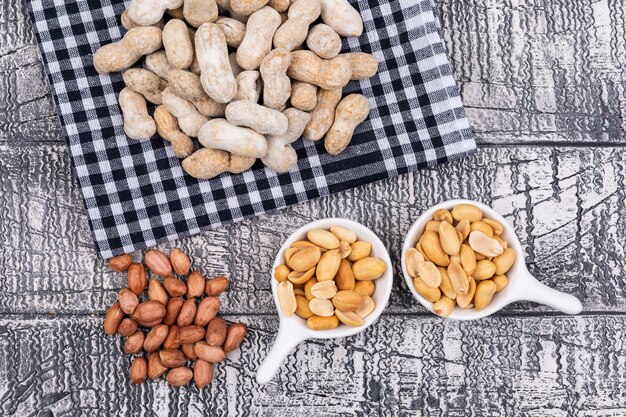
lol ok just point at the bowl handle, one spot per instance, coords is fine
(287, 339)
(535, 291)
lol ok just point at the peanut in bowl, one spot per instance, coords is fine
(295, 329)
(444, 282)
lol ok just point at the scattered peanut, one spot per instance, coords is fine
(176, 326)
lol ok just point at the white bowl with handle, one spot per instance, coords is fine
(522, 285)
(294, 330)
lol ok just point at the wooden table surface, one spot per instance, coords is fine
(544, 84)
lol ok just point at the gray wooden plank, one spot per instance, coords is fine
(27, 112)
(540, 71)
(528, 72)
(566, 205)
(401, 366)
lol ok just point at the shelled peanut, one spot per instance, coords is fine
(288, 54)
(328, 279)
(460, 260)
(176, 325)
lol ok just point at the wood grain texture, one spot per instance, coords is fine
(565, 204)
(544, 83)
(27, 112)
(529, 71)
(400, 366)
(540, 70)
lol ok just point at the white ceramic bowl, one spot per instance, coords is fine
(522, 285)
(294, 329)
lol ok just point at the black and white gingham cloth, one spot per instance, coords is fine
(137, 194)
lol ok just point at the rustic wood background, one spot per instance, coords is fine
(544, 84)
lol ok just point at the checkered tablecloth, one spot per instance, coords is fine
(137, 194)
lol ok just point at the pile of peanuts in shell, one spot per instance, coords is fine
(181, 318)
(209, 63)
(460, 260)
(329, 279)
